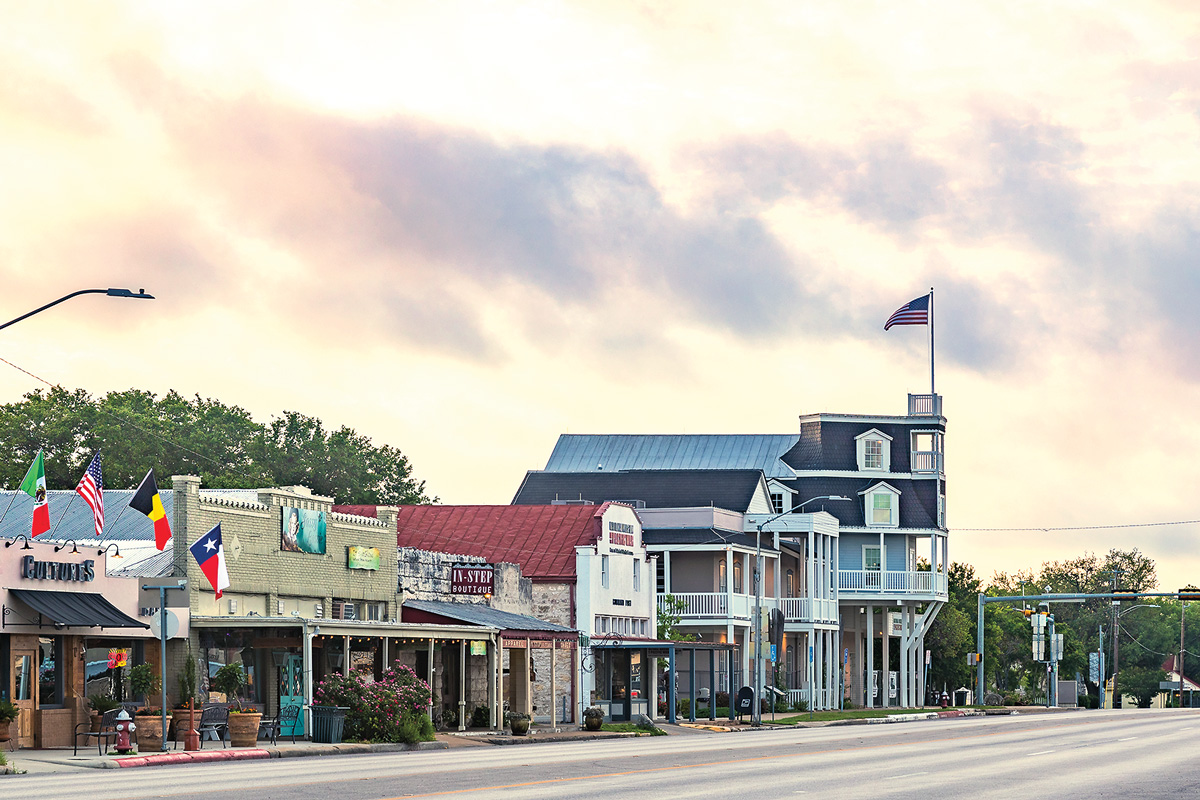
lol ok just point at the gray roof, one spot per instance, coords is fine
(683, 536)
(597, 452)
(77, 521)
(158, 565)
(479, 614)
(665, 488)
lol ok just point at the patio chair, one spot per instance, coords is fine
(273, 726)
(106, 733)
(214, 719)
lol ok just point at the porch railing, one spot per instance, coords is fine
(805, 609)
(926, 461)
(924, 405)
(868, 581)
(714, 605)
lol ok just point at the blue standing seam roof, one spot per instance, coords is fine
(604, 452)
(76, 517)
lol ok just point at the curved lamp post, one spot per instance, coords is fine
(139, 295)
(758, 676)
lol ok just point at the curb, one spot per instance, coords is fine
(260, 753)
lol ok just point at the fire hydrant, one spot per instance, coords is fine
(125, 727)
(945, 699)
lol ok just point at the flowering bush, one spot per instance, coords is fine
(389, 710)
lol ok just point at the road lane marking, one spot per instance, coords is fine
(1039, 753)
(908, 775)
(1127, 739)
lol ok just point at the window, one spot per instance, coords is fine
(791, 583)
(604, 571)
(941, 518)
(49, 674)
(873, 455)
(872, 557)
(881, 509)
(777, 502)
(722, 578)
(881, 506)
(345, 609)
(737, 575)
(637, 575)
(373, 611)
(874, 450)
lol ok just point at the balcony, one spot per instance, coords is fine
(924, 405)
(874, 582)
(805, 609)
(926, 461)
(714, 605)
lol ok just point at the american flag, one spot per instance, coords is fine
(913, 313)
(91, 489)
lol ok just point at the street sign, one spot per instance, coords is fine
(1094, 667)
(773, 652)
(927, 657)
(172, 625)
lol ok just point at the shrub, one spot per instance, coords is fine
(481, 717)
(450, 718)
(143, 681)
(388, 710)
(800, 705)
(723, 699)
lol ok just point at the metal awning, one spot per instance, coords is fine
(72, 609)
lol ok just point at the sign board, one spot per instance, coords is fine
(472, 579)
(1094, 667)
(846, 655)
(928, 655)
(478, 648)
(893, 683)
(362, 557)
(773, 652)
(172, 625)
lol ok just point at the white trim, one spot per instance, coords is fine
(869, 495)
(869, 473)
(885, 450)
(871, 418)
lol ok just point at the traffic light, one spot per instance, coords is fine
(1028, 612)
(1189, 592)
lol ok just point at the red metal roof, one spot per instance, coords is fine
(542, 539)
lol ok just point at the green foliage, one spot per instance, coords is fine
(952, 634)
(176, 436)
(143, 681)
(8, 711)
(388, 710)
(187, 679)
(229, 680)
(481, 717)
(100, 703)
(670, 612)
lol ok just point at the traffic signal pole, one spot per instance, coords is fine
(1061, 598)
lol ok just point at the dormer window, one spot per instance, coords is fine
(881, 506)
(777, 502)
(874, 450)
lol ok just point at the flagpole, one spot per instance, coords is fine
(60, 516)
(932, 385)
(10, 502)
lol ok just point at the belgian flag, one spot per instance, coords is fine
(147, 501)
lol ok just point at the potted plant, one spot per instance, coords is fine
(593, 718)
(99, 704)
(144, 682)
(8, 712)
(518, 723)
(243, 723)
(187, 695)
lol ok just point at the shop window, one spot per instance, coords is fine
(50, 691)
(106, 667)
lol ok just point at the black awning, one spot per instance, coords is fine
(76, 608)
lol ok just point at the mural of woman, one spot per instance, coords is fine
(291, 531)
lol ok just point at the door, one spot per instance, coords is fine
(872, 564)
(621, 678)
(291, 692)
(23, 690)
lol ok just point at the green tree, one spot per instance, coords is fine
(137, 431)
(670, 612)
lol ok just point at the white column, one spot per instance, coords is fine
(885, 683)
(868, 690)
(666, 572)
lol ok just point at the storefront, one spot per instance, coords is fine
(69, 631)
(629, 675)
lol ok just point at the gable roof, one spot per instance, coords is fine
(616, 452)
(77, 520)
(669, 488)
(480, 614)
(541, 538)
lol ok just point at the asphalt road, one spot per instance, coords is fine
(1125, 754)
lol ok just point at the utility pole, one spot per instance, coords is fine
(1116, 609)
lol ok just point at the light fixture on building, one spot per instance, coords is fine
(232, 606)
(114, 547)
(17, 538)
(74, 547)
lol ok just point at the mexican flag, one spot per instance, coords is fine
(34, 485)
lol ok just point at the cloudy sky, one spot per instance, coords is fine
(465, 228)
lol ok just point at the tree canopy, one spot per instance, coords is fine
(174, 435)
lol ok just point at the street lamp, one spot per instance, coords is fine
(140, 295)
(756, 717)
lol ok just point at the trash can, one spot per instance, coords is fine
(327, 722)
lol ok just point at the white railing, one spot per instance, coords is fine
(926, 461)
(924, 405)
(714, 605)
(825, 698)
(869, 581)
(804, 609)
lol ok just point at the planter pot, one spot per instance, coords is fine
(94, 722)
(519, 727)
(243, 729)
(4, 735)
(149, 733)
(593, 723)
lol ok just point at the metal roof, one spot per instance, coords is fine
(121, 523)
(604, 452)
(479, 614)
(157, 565)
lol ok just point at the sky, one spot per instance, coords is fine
(463, 229)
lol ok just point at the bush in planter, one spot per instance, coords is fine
(229, 681)
(143, 681)
(388, 710)
(8, 711)
(593, 718)
(481, 717)
(517, 722)
(187, 680)
(99, 703)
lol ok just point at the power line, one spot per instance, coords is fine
(1088, 527)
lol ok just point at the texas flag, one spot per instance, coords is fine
(210, 555)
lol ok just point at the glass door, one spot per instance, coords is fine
(23, 690)
(291, 692)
